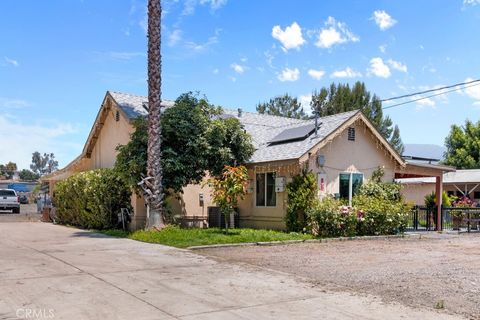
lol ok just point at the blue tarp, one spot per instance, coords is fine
(19, 187)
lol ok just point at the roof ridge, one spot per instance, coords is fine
(135, 95)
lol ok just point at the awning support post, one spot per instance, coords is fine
(438, 193)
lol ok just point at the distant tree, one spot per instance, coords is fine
(28, 175)
(341, 98)
(195, 140)
(463, 146)
(43, 164)
(284, 106)
(11, 168)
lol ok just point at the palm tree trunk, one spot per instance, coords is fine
(154, 166)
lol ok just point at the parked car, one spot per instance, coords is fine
(9, 200)
(23, 199)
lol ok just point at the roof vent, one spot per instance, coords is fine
(351, 134)
(240, 112)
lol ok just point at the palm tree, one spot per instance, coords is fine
(153, 182)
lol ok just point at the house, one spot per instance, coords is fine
(461, 183)
(342, 150)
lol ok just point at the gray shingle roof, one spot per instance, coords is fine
(263, 128)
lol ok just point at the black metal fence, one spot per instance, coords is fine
(423, 218)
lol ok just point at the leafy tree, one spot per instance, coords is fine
(43, 164)
(301, 193)
(463, 146)
(228, 189)
(8, 169)
(195, 140)
(341, 98)
(154, 180)
(285, 106)
(28, 175)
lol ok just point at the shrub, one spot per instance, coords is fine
(431, 200)
(301, 193)
(91, 199)
(329, 218)
(381, 216)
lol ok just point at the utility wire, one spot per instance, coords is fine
(430, 96)
(431, 90)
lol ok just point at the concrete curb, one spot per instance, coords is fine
(323, 240)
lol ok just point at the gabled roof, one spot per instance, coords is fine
(263, 128)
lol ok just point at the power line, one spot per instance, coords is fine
(433, 95)
(431, 90)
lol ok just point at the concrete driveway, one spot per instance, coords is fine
(55, 272)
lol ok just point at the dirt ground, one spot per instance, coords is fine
(436, 271)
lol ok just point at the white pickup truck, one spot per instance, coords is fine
(9, 200)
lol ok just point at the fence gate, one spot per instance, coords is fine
(423, 218)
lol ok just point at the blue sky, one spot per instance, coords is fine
(58, 58)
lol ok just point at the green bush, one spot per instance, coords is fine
(378, 209)
(301, 193)
(91, 199)
(380, 216)
(329, 218)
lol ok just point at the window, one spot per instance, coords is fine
(349, 185)
(117, 116)
(476, 195)
(459, 194)
(265, 190)
(351, 134)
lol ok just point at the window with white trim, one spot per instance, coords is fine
(265, 190)
(349, 184)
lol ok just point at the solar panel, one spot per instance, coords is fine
(292, 134)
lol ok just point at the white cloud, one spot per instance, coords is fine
(305, 101)
(335, 33)
(383, 20)
(289, 75)
(174, 37)
(215, 71)
(290, 38)
(43, 138)
(238, 68)
(190, 5)
(427, 102)
(11, 62)
(472, 91)
(471, 2)
(397, 65)
(13, 103)
(383, 48)
(379, 68)
(201, 47)
(346, 73)
(316, 74)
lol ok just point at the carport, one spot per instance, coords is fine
(414, 169)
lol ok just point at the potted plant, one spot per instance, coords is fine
(459, 215)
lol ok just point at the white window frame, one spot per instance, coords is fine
(350, 184)
(265, 191)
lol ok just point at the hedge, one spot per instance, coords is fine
(91, 199)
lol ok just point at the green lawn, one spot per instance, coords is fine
(183, 238)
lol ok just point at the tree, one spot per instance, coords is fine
(8, 170)
(341, 98)
(153, 181)
(228, 189)
(463, 146)
(28, 175)
(196, 140)
(43, 164)
(284, 106)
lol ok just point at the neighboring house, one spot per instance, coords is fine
(342, 150)
(460, 183)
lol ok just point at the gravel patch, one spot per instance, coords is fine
(436, 271)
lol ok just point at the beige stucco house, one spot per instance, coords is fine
(342, 150)
(461, 183)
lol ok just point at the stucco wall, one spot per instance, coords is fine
(364, 155)
(113, 133)
(416, 192)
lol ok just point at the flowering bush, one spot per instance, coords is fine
(371, 214)
(329, 218)
(91, 199)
